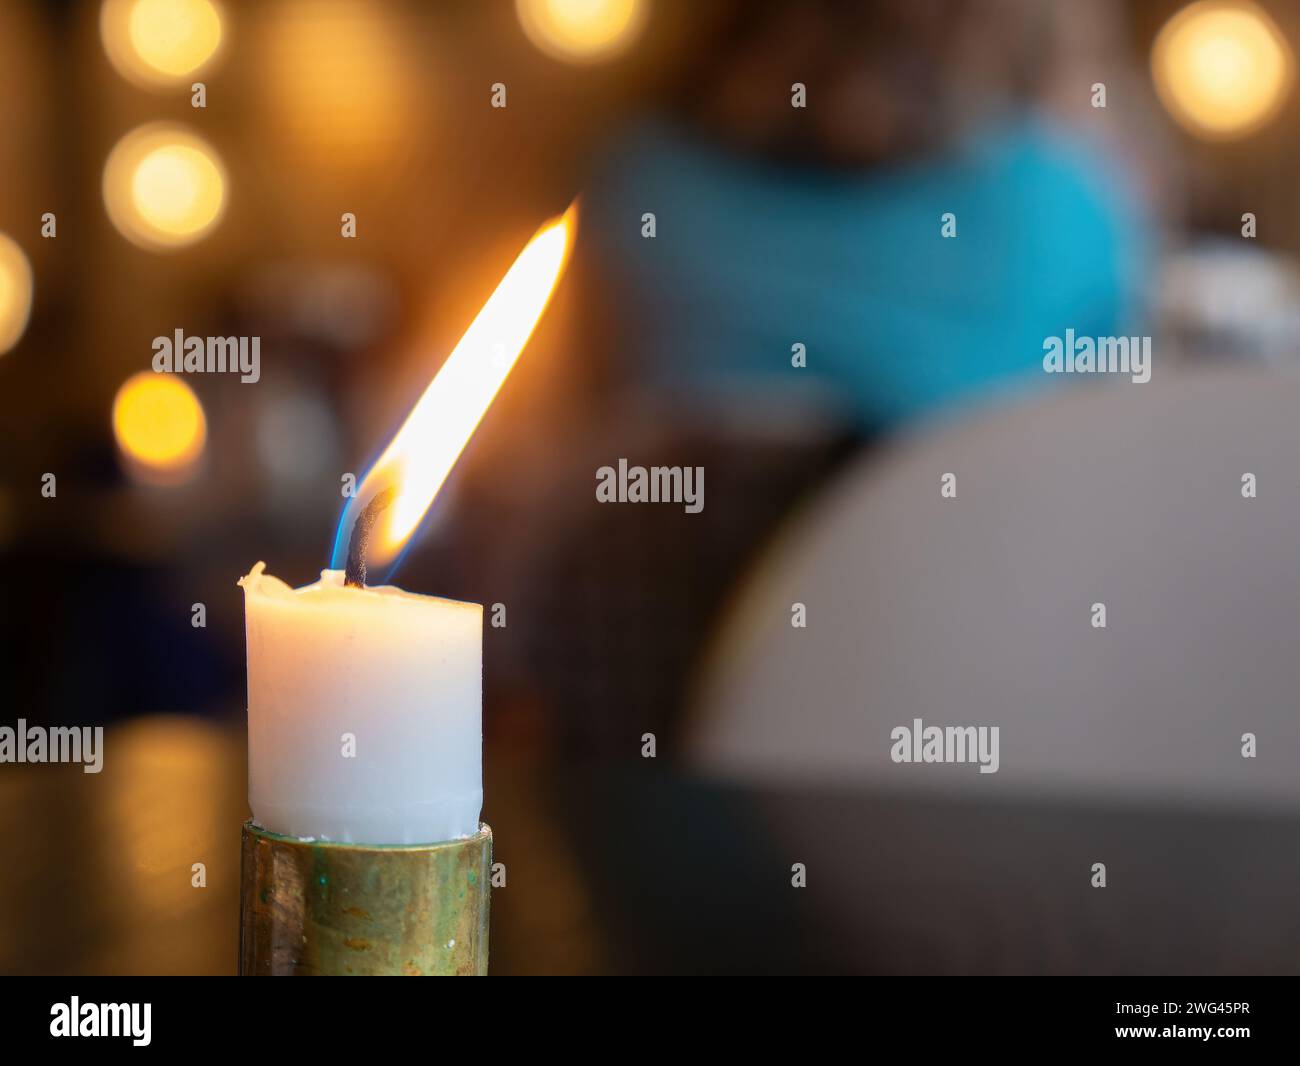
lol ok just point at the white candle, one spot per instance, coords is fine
(364, 711)
(365, 704)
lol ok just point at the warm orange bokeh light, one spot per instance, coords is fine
(582, 31)
(338, 80)
(421, 455)
(160, 42)
(1222, 68)
(164, 187)
(15, 293)
(159, 425)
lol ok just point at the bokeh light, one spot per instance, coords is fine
(1222, 68)
(582, 31)
(15, 293)
(159, 426)
(338, 78)
(164, 187)
(160, 42)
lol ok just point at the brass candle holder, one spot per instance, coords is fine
(313, 908)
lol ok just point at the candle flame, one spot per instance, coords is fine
(423, 452)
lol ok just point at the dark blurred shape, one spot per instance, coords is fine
(891, 78)
(944, 885)
(612, 604)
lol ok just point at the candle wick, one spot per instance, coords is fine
(354, 572)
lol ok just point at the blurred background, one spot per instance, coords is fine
(1115, 168)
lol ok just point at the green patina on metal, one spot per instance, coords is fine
(312, 908)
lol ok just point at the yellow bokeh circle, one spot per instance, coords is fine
(582, 31)
(161, 42)
(1222, 68)
(15, 293)
(159, 425)
(164, 187)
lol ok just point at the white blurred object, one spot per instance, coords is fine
(1232, 299)
(977, 610)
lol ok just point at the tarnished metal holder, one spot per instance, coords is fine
(323, 909)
